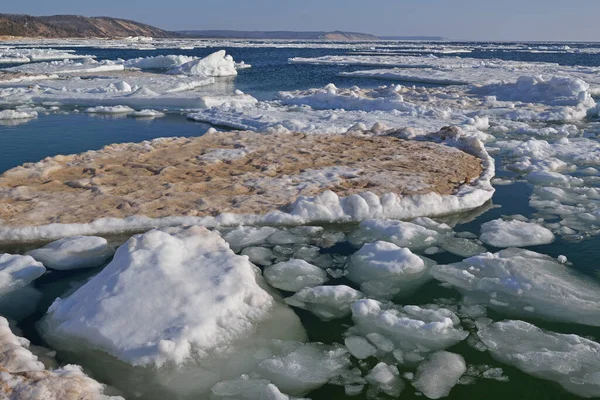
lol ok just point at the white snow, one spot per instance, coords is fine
(500, 233)
(570, 360)
(326, 302)
(109, 110)
(179, 302)
(521, 282)
(158, 62)
(294, 275)
(384, 270)
(439, 374)
(74, 253)
(401, 233)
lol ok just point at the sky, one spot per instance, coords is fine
(526, 20)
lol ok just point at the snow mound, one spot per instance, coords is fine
(500, 233)
(384, 270)
(215, 65)
(570, 360)
(326, 302)
(74, 253)
(294, 275)
(439, 374)
(523, 282)
(175, 302)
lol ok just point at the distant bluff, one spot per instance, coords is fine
(60, 26)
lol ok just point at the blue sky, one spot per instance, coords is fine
(456, 19)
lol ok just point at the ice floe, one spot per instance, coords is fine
(24, 377)
(213, 65)
(525, 283)
(294, 275)
(326, 302)
(500, 233)
(74, 253)
(384, 270)
(570, 360)
(439, 374)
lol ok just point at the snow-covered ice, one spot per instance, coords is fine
(525, 283)
(501, 233)
(570, 360)
(17, 271)
(384, 270)
(214, 65)
(326, 302)
(74, 253)
(127, 311)
(294, 275)
(439, 374)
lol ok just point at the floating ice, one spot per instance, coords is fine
(180, 303)
(294, 275)
(158, 62)
(17, 271)
(25, 378)
(569, 360)
(74, 253)
(385, 378)
(412, 330)
(214, 65)
(109, 110)
(246, 388)
(384, 270)
(14, 114)
(500, 233)
(299, 368)
(326, 302)
(401, 233)
(522, 282)
(439, 374)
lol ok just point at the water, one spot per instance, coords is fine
(59, 133)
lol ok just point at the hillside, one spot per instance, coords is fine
(230, 34)
(57, 26)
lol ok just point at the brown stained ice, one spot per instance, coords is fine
(237, 172)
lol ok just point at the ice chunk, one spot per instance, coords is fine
(438, 375)
(384, 270)
(300, 368)
(7, 115)
(326, 302)
(259, 255)
(246, 236)
(569, 360)
(110, 110)
(385, 378)
(17, 271)
(180, 303)
(246, 388)
(25, 378)
(158, 62)
(412, 329)
(215, 64)
(294, 275)
(74, 253)
(500, 233)
(523, 282)
(403, 234)
(462, 247)
(360, 347)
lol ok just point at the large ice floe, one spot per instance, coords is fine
(24, 376)
(500, 233)
(570, 360)
(174, 312)
(74, 252)
(524, 283)
(290, 197)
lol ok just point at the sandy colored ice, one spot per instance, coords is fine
(238, 172)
